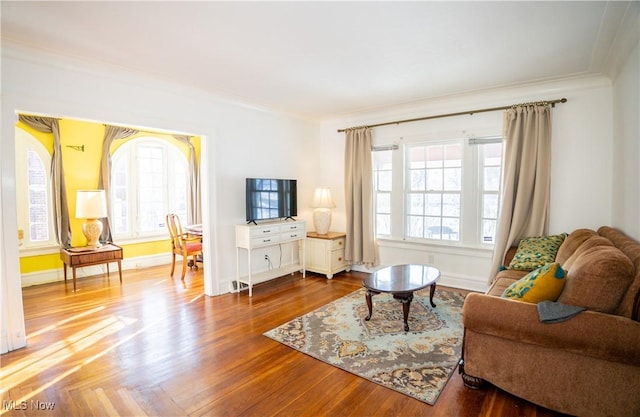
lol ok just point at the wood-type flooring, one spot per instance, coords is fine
(157, 346)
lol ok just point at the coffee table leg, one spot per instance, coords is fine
(406, 304)
(432, 291)
(367, 297)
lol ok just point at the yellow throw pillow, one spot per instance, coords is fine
(543, 284)
(534, 252)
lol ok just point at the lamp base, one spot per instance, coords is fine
(92, 230)
(322, 220)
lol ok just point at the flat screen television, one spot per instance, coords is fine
(270, 198)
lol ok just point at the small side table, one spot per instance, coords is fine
(325, 253)
(80, 257)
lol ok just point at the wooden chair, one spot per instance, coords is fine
(182, 244)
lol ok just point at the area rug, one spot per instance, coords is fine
(417, 363)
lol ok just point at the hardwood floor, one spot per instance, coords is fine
(154, 346)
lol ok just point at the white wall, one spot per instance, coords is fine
(626, 147)
(581, 167)
(239, 141)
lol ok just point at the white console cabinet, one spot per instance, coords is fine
(288, 234)
(325, 253)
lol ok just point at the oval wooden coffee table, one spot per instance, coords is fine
(401, 281)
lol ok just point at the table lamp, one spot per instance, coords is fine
(322, 205)
(91, 205)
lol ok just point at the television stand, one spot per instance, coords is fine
(249, 238)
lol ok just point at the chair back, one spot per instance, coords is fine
(175, 230)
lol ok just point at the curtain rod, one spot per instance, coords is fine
(469, 112)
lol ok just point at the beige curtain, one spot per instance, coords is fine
(526, 178)
(194, 215)
(62, 226)
(361, 248)
(111, 134)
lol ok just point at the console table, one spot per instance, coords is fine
(80, 257)
(264, 235)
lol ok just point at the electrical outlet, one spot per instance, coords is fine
(266, 257)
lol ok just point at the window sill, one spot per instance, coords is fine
(38, 250)
(436, 246)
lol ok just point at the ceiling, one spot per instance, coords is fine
(322, 59)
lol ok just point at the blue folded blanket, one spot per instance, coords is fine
(553, 312)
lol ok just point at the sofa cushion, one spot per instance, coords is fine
(500, 284)
(589, 243)
(543, 284)
(571, 243)
(534, 252)
(598, 279)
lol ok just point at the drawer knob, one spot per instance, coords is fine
(340, 243)
(340, 258)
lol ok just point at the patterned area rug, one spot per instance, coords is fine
(417, 363)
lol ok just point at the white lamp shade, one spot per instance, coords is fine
(322, 198)
(91, 204)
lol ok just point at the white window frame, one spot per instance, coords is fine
(170, 202)
(471, 215)
(25, 143)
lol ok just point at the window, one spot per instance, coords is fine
(33, 182)
(449, 191)
(491, 162)
(434, 189)
(149, 178)
(382, 185)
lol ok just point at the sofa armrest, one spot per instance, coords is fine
(592, 333)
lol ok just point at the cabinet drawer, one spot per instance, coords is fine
(264, 231)
(293, 235)
(265, 240)
(338, 243)
(292, 227)
(337, 258)
(94, 257)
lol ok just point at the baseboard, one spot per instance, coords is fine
(55, 275)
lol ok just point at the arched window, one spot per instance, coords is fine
(149, 178)
(33, 195)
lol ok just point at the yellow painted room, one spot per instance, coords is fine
(81, 149)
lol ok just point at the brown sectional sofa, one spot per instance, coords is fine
(587, 365)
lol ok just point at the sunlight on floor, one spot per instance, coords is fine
(33, 365)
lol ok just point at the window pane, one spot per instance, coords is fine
(383, 203)
(489, 231)
(415, 226)
(383, 224)
(416, 204)
(434, 204)
(37, 198)
(417, 157)
(383, 185)
(453, 179)
(450, 229)
(451, 205)
(418, 180)
(491, 172)
(453, 155)
(491, 178)
(490, 206)
(434, 179)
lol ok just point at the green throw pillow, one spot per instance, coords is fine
(534, 252)
(544, 284)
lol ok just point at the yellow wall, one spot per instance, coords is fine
(81, 171)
